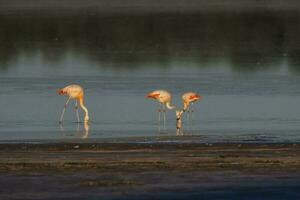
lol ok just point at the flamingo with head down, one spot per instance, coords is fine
(164, 98)
(188, 99)
(74, 92)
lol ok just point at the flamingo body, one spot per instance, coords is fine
(73, 91)
(162, 96)
(189, 97)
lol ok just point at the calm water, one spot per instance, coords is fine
(245, 64)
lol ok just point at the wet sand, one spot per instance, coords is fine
(93, 170)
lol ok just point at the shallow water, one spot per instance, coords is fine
(244, 65)
(263, 104)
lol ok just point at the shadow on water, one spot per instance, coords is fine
(246, 40)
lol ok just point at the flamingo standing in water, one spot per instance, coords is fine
(74, 92)
(164, 98)
(188, 99)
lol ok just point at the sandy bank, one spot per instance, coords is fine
(139, 156)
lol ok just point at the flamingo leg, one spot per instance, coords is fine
(86, 130)
(62, 130)
(192, 111)
(77, 129)
(164, 114)
(64, 110)
(159, 112)
(188, 118)
(76, 108)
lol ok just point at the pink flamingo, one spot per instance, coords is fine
(164, 98)
(188, 99)
(74, 92)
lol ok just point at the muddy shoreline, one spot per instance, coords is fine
(121, 156)
(94, 170)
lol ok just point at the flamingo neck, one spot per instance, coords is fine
(179, 121)
(86, 117)
(185, 106)
(169, 106)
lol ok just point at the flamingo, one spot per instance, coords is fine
(164, 98)
(188, 99)
(74, 92)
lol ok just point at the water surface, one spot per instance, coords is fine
(244, 64)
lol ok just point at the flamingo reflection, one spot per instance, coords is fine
(84, 134)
